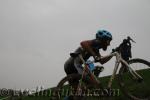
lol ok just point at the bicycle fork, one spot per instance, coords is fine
(135, 75)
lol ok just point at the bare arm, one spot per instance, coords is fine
(87, 46)
(104, 59)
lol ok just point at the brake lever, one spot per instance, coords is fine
(133, 41)
(129, 38)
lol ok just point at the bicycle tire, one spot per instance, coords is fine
(125, 77)
(62, 86)
(87, 88)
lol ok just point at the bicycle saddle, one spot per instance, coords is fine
(75, 54)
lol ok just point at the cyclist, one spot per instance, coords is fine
(89, 48)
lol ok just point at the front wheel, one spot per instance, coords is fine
(135, 88)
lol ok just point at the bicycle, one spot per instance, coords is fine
(133, 80)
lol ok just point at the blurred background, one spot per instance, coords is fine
(36, 36)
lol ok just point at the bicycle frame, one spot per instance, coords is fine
(118, 61)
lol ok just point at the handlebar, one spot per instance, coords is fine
(130, 39)
(126, 41)
(125, 48)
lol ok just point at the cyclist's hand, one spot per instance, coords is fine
(114, 53)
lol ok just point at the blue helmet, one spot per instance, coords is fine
(103, 35)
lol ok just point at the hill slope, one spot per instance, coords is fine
(45, 95)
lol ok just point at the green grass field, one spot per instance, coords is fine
(45, 95)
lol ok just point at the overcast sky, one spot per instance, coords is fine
(36, 36)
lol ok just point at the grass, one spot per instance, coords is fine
(143, 89)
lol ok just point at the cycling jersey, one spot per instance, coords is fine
(74, 65)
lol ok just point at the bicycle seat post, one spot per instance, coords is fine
(80, 56)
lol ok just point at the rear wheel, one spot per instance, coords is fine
(67, 87)
(70, 90)
(136, 89)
